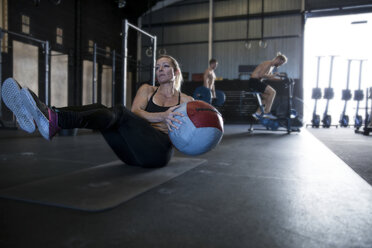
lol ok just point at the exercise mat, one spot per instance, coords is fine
(98, 188)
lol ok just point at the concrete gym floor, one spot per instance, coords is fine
(262, 189)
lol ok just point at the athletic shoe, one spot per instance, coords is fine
(46, 119)
(269, 116)
(11, 95)
(256, 116)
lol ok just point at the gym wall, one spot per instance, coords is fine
(40, 29)
(25, 66)
(186, 34)
(81, 21)
(184, 28)
(59, 79)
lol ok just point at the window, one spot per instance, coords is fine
(25, 24)
(59, 36)
(91, 46)
(4, 24)
(108, 51)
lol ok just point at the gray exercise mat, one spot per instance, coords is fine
(98, 188)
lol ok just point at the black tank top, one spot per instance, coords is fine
(153, 108)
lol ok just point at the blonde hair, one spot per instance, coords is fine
(282, 57)
(176, 67)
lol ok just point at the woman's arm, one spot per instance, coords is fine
(206, 80)
(139, 105)
(140, 102)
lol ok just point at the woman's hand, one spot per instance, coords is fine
(170, 118)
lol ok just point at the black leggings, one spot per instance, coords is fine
(132, 138)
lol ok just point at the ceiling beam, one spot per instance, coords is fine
(160, 5)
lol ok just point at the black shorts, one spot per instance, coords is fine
(255, 84)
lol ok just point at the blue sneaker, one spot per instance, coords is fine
(11, 95)
(269, 116)
(46, 119)
(256, 116)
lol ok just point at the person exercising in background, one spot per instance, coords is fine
(265, 71)
(210, 77)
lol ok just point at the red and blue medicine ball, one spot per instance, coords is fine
(201, 129)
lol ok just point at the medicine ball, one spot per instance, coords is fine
(201, 129)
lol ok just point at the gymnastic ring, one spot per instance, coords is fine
(262, 44)
(248, 45)
(162, 51)
(149, 52)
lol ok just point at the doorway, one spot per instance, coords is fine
(347, 37)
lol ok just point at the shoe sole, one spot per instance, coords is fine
(10, 93)
(41, 120)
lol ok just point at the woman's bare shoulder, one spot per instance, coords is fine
(142, 97)
(146, 89)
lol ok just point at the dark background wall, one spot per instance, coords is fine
(81, 21)
(45, 17)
